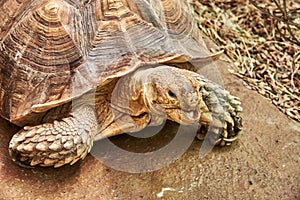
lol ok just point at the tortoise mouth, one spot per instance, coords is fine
(184, 117)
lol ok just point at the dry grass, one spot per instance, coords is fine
(262, 38)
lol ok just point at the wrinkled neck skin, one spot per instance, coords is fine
(131, 96)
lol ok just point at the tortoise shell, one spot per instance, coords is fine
(56, 50)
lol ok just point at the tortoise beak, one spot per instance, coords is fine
(183, 117)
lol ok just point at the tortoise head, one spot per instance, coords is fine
(172, 92)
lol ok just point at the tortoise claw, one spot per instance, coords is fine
(224, 109)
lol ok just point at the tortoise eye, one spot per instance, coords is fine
(172, 94)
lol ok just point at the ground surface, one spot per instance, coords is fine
(263, 164)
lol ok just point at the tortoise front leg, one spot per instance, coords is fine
(58, 143)
(220, 113)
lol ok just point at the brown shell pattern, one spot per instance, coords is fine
(52, 51)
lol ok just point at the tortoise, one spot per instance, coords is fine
(76, 71)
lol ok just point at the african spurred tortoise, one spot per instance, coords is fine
(76, 71)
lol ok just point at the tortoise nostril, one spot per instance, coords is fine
(192, 99)
(172, 94)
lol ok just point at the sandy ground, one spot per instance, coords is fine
(262, 164)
